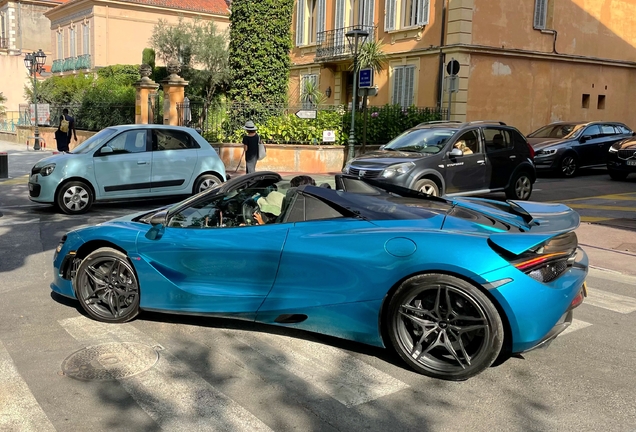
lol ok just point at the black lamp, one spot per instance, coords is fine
(353, 37)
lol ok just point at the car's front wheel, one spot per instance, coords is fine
(568, 165)
(107, 287)
(206, 181)
(74, 197)
(444, 327)
(427, 186)
(520, 187)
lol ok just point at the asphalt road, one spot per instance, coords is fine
(194, 373)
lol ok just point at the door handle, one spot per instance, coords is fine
(481, 162)
(141, 162)
(513, 157)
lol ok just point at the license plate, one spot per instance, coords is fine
(30, 187)
(584, 289)
(631, 162)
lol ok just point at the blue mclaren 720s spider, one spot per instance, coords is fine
(450, 285)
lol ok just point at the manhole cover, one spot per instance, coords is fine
(110, 361)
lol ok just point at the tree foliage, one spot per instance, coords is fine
(201, 49)
(260, 42)
(3, 99)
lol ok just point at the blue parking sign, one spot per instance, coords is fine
(366, 78)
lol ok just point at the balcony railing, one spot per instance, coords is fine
(333, 44)
(82, 62)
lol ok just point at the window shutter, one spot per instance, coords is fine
(340, 44)
(60, 46)
(540, 13)
(409, 86)
(72, 42)
(300, 23)
(321, 12)
(424, 9)
(368, 12)
(398, 82)
(389, 14)
(86, 39)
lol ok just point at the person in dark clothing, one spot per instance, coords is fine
(250, 144)
(65, 131)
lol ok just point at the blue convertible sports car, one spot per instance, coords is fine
(451, 285)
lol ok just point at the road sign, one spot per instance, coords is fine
(366, 78)
(328, 136)
(452, 67)
(371, 91)
(306, 114)
(452, 83)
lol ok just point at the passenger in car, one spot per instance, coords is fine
(461, 145)
(270, 208)
(302, 180)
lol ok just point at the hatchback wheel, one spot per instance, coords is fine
(444, 327)
(106, 286)
(520, 187)
(568, 165)
(427, 186)
(74, 198)
(206, 181)
(618, 175)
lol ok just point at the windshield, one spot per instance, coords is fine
(422, 140)
(95, 141)
(557, 131)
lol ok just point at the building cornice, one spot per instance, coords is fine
(61, 9)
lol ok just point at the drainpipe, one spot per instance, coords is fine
(442, 58)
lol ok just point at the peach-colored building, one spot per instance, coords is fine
(23, 29)
(527, 63)
(89, 34)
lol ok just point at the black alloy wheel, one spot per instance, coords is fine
(568, 165)
(444, 327)
(427, 186)
(520, 187)
(107, 287)
(617, 175)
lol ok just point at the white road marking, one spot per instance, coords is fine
(19, 411)
(340, 375)
(9, 221)
(576, 325)
(170, 393)
(610, 301)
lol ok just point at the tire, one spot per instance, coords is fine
(206, 181)
(106, 286)
(568, 165)
(427, 186)
(454, 349)
(520, 187)
(617, 175)
(74, 197)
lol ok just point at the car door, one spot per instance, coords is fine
(174, 159)
(126, 170)
(501, 155)
(467, 172)
(610, 135)
(204, 266)
(587, 147)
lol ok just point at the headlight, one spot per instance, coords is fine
(613, 149)
(399, 169)
(47, 169)
(60, 245)
(546, 152)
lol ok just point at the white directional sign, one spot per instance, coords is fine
(306, 114)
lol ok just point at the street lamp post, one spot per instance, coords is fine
(34, 63)
(353, 37)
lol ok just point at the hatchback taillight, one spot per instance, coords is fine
(531, 150)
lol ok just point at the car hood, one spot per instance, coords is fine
(628, 144)
(56, 159)
(385, 158)
(541, 143)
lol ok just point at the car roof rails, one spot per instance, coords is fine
(487, 121)
(438, 122)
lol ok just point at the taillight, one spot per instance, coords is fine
(531, 150)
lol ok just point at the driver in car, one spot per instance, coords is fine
(270, 207)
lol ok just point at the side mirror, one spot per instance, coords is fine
(382, 147)
(585, 138)
(633, 133)
(156, 232)
(106, 150)
(455, 152)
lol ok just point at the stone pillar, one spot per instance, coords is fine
(146, 88)
(173, 93)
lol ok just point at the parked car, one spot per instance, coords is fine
(621, 159)
(449, 284)
(127, 162)
(564, 147)
(454, 158)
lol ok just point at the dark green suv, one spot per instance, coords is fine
(454, 158)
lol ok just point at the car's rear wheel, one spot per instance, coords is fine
(617, 175)
(444, 327)
(427, 186)
(520, 187)
(206, 181)
(107, 287)
(74, 197)
(568, 165)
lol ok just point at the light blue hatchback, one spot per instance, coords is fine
(127, 162)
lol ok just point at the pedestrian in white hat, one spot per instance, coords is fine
(250, 145)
